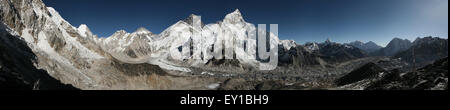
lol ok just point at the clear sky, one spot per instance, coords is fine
(299, 20)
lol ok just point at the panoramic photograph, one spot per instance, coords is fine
(224, 45)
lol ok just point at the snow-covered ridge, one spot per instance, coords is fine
(58, 20)
(233, 28)
(426, 40)
(84, 30)
(141, 45)
(367, 47)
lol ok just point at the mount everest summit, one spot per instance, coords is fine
(41, 50)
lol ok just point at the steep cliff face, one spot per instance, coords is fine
(425, 50)
(299, 56)
(138, 60)
(74, 56)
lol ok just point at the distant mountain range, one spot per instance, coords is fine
(395, 45)
(368, 47)
(41, 50)
(425, 50)
(372, 77)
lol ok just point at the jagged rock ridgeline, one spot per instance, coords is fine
(425, 50)
(17, 71)
(367, 47)
(313, 53)
(231, 31)
(74, 55)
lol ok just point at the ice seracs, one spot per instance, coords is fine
(54, 15)
(368, 47)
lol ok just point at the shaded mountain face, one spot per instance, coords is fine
(425, 50)
(321, 54)
(312, 46)
(368, 47)
(137, 60)
(395, 45)
(129, 47)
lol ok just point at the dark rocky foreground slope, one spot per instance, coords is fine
(367, 71)
(372, 77)
(17, 71)
(430, 77)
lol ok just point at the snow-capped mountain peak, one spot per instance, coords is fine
(288, 44)
(120, 32)
(328, 42)
(189, 20)
(367, 47)
(142, 30)
(234, 17)
(84, 30)
(313, 46)
(55, 15)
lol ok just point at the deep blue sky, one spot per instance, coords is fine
(300, 20)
